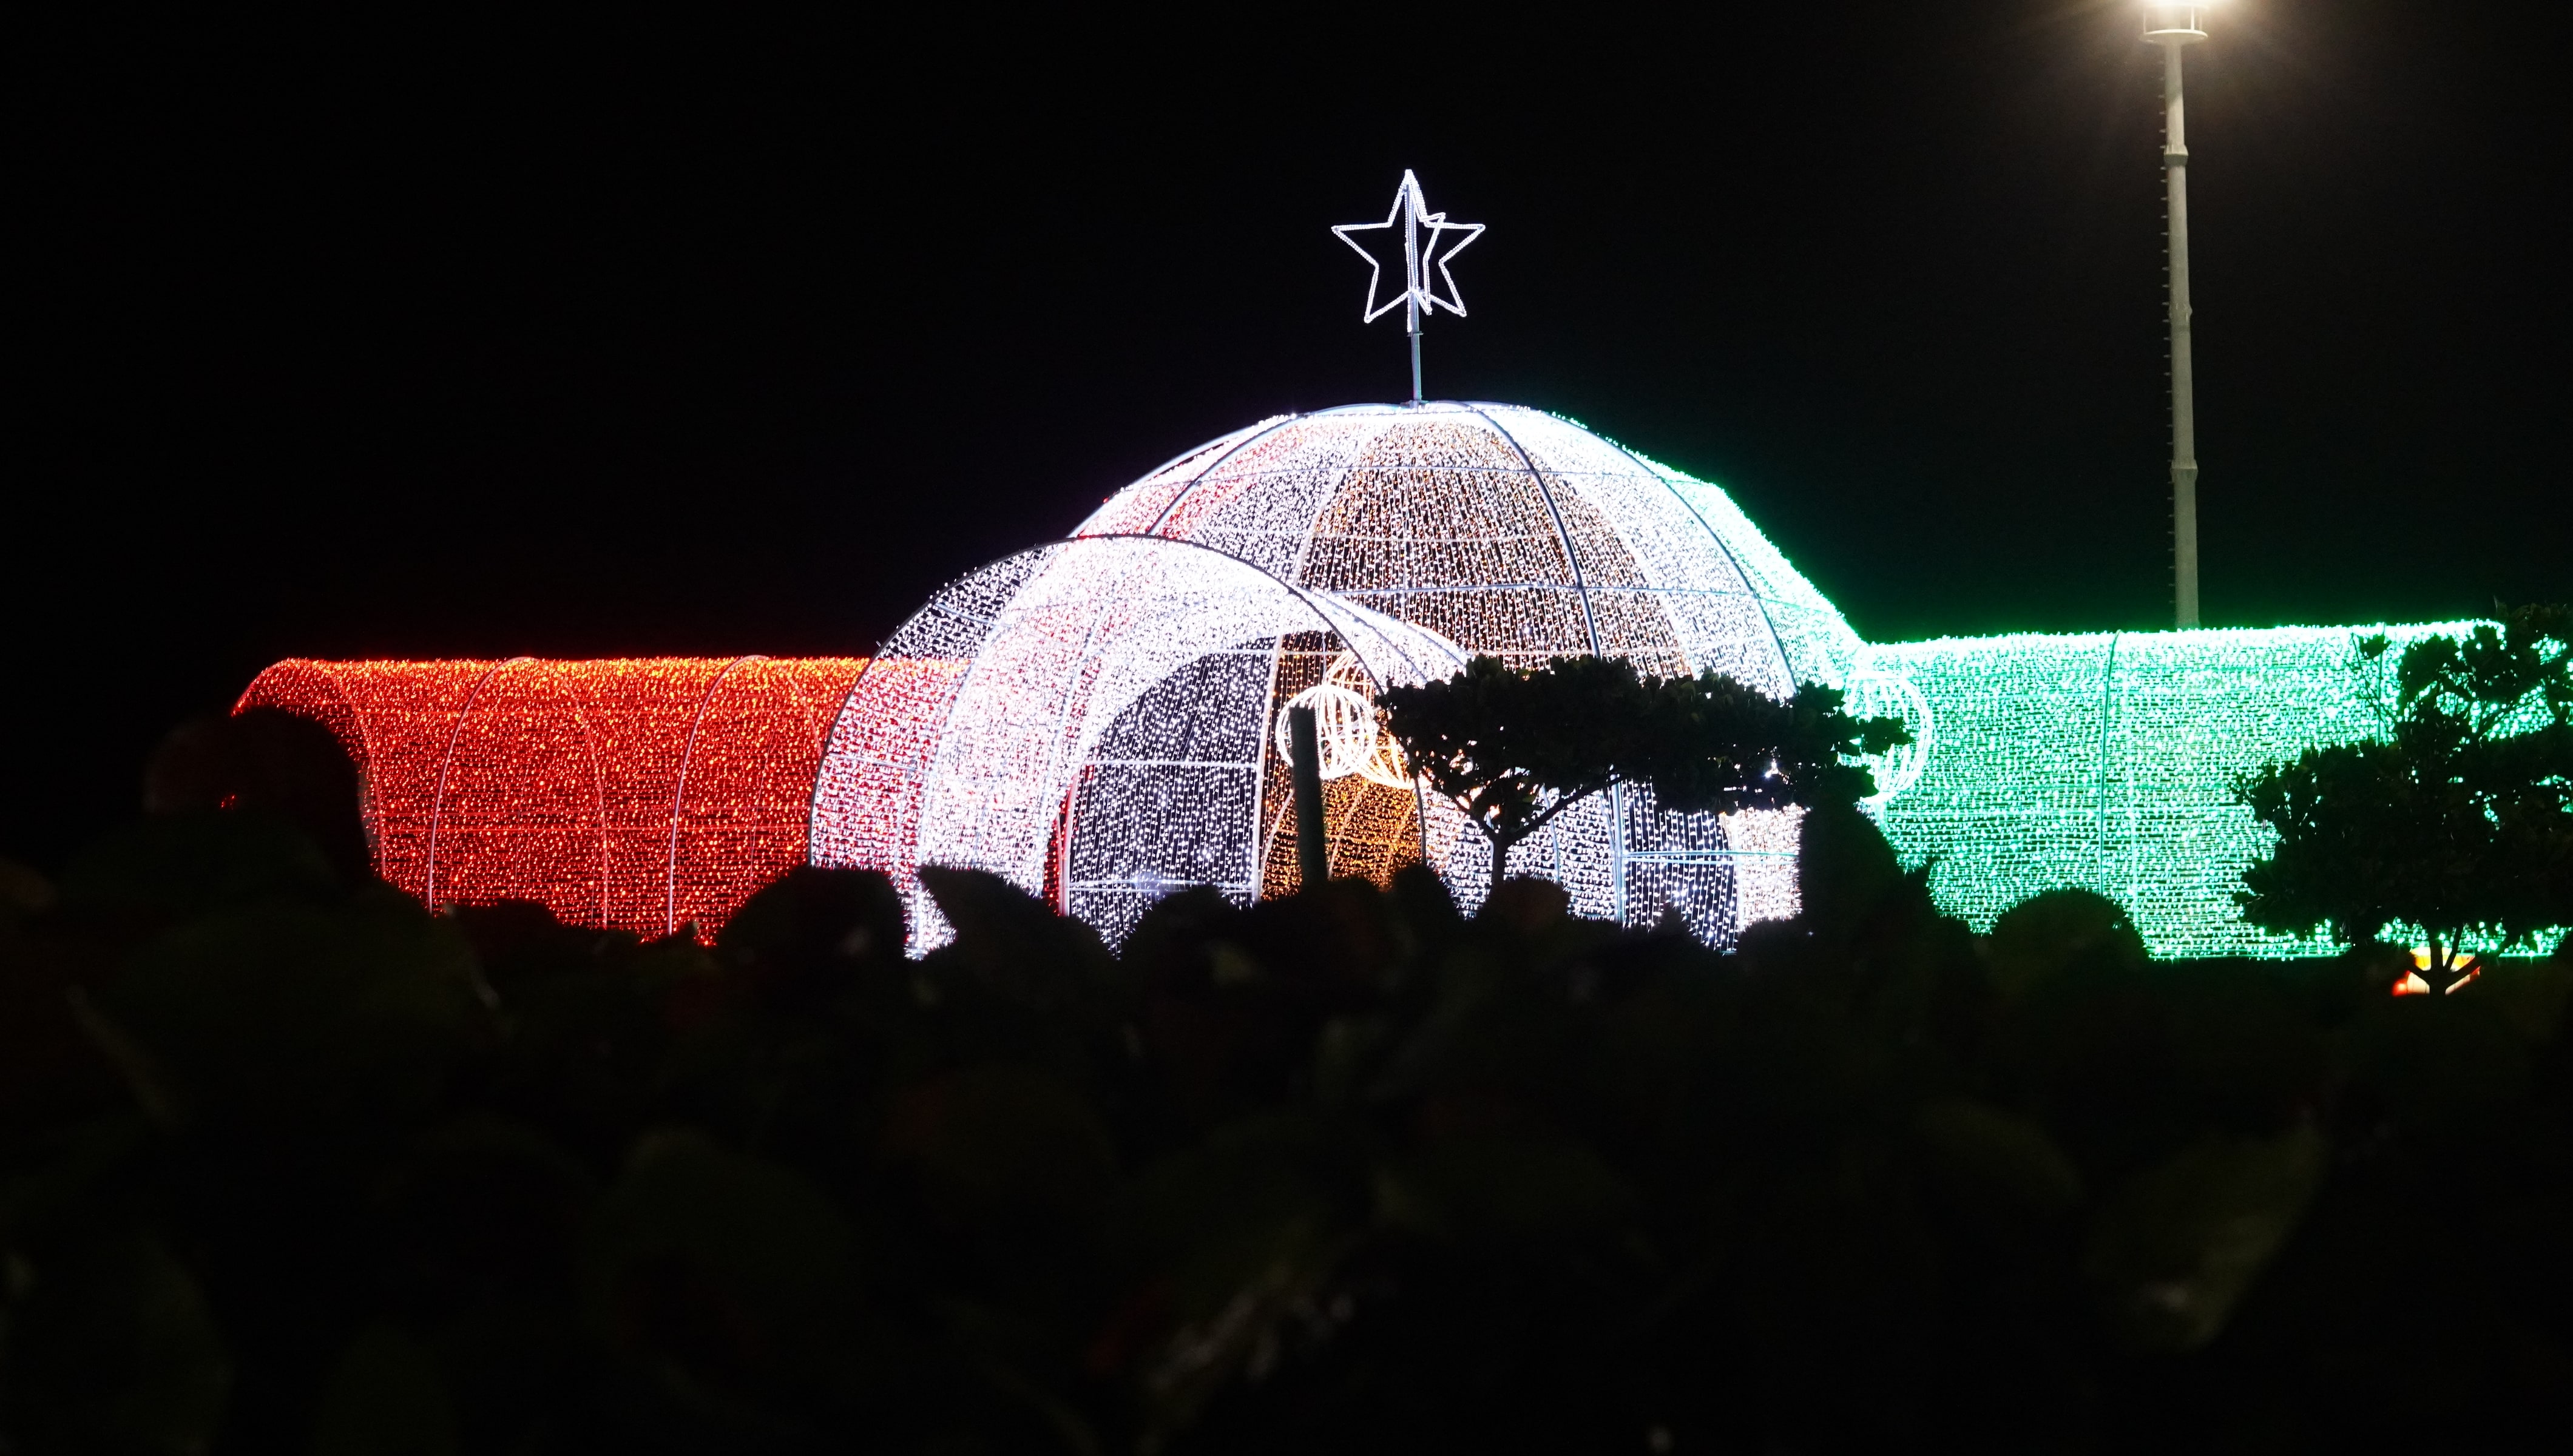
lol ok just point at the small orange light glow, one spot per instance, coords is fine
(2413, 984)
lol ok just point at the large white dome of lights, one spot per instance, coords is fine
(1097, 720)
(1508, 531)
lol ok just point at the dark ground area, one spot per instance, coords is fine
(288, 1163)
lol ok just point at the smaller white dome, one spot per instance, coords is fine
(1088, 720)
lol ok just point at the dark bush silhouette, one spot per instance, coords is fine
(288, 1165)
(266, 761)
(2457, 818)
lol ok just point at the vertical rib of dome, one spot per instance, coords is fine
(1721, 544)
(1214, 457)
(1590, 619)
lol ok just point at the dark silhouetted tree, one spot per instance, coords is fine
(1515, 749)
(2457, 821)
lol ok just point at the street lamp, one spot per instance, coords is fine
(2173, 27)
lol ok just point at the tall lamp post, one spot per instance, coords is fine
(2175, 28)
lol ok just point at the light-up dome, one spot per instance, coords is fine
(1507, 530)
(1098, 719)
(1522, 534)
(1089, 719)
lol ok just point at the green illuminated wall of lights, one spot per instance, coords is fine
(2106, 762)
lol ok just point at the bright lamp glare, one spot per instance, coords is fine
(2168, 23)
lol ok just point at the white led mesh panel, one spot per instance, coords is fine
(1520, 533)
(1089, 719)
(2106, 762)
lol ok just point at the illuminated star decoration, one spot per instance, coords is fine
(1420, 257)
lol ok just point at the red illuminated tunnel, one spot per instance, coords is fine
(640, 794)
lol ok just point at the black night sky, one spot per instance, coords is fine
(425, 338)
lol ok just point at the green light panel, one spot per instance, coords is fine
(2106, 762)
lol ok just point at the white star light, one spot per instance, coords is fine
(1419, 255)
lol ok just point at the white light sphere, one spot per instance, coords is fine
(1523, 535)
(1101, 720)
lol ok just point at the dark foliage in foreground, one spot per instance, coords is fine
(288, 1165)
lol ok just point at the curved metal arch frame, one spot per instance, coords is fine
(445, 764)
(1758, 599)
(679, 794)
(1554, 513)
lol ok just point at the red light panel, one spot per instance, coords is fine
(641, 794)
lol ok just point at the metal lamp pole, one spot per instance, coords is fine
(1412, 267)
(2173, 27)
